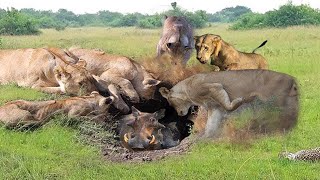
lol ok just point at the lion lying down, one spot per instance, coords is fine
(49, 70)
(134, 81)
(35, 113)
(223, 92)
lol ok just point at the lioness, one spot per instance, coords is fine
(176, 38)
(225, 56)
(27, 113)
(222, 92)
(134, 81)
(48, 70)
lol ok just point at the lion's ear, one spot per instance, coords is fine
(164, 92)
(218, 48)
(82, 63)
(165, 16)
(195, 38)
(148, 83)
(217, 45)
(217, 38)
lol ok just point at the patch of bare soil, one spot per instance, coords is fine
(120, 154)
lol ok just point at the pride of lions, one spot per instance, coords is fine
(156, 111)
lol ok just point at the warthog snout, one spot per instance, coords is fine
(137, 143)
(140, 130)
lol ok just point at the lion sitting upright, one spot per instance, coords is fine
(226, 57)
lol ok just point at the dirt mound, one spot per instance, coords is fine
(120, 154)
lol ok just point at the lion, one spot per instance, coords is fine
(176, 39)
(132, 78)
(220, 93)
(35, 113)
(48, 70)
(225, 56)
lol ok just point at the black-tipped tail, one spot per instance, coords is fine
(264, 43)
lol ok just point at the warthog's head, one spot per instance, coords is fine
(141, 131)
(207, 46)
(74, 79)
(177, 100)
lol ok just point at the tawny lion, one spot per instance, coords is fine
(34, 113)
(222, 92)
(225, 56)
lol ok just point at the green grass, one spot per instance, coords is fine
(52, 152)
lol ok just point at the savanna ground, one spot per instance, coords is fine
(53, 152)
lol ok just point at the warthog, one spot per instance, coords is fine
(176, 38)
(142, 131)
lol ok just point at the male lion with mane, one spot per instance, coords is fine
(226, 57)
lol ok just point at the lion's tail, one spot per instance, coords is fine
(262, 44)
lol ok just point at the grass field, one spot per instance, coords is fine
(52, 152)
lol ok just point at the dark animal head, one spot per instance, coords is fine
(141, 131)
(177, 38)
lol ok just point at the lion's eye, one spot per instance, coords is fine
(206, 48)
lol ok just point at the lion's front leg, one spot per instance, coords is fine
(51, 90)
(215, 116)
(220, 95)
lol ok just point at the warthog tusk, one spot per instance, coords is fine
(125, 137)
(152, 140)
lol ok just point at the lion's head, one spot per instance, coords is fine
(207, 45)
(75, 79)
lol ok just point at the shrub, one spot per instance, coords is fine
(15, 23)
(249, 21)
(286, 15)
(229, 14)
(150, 22)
